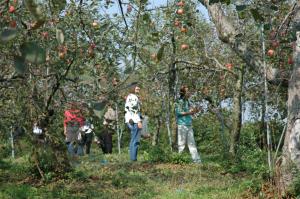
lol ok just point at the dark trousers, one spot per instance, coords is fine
(106, 141)
(88, 138)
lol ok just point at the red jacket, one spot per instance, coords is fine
(73, 115)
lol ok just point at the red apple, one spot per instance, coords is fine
(271, 52)
(11, 9)
(184, 46)
(129, 8)
(290, 61)
(180, 3)
(229, 66)
(180, 11)
(177, 23)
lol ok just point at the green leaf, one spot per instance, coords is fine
(155, 34)
(242, 15)
(58, 5)
(160, 52)
(144, 1)
(146, 17)
(60, 36)
(273, 7)
(8, 34)
(267, 26)
(98, 108)
(20, 65)
(226, 1)
(257, 17)
(240, 7)
(33, 53)
(35, 9)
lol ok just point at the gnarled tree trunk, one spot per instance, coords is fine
(291, 148)
(237, 115)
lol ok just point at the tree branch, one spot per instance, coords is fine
(228, 34)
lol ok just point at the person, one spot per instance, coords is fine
(133, 120)
(86, 136)
(185, 131)
(72, 122)
(108, 129)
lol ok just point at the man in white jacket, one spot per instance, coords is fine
(134, 121)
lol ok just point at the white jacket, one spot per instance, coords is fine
(132, 108)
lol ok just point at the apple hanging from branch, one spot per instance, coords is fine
(180, 11)
(229, 66)
(184, 46)
(271, 52)
(11, 9)
(290, 60)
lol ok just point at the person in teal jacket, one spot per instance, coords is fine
(184, 119)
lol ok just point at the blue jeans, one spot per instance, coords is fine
(71, 149)
(134, 140)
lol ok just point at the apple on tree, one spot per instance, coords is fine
(129, 8)
(11, 9)
(290, 60)
(271, 52)
(177, 23)
(180, 11)
(184, 46)
(229, 66)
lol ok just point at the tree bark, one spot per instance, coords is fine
(290, 158)
(237, 115)
(157, 133)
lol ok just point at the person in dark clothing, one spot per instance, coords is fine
(87, 136)
(106, 140)
(108, 129)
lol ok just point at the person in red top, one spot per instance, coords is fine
(73, 121)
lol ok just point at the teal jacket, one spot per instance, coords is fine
(183, 105)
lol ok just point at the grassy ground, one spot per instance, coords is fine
(113, 176)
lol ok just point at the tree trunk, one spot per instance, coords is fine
(237, 115)
(291, 148)
(157, 133)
